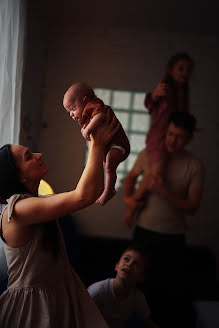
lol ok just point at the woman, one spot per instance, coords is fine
(43, 291)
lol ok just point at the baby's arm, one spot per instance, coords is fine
(96, 121)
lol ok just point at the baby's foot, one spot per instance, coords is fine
(106, 196)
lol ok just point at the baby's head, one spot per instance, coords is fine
(179, 67)
(131, 266)
(76, 98)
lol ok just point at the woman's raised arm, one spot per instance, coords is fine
(41, 209)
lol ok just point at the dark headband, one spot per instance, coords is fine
(7, 166)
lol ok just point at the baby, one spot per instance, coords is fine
(90, 112)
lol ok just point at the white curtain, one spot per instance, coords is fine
(12, 26)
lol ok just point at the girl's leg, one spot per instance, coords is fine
(113, 159)
(156, 171)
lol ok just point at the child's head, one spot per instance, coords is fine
(131, 266)
(76, 98)
(179, 67)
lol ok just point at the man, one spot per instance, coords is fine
(161, 222)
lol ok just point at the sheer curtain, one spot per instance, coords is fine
(12, 26)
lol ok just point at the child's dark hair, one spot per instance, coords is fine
(137, 248)
(183, 120)
(177, 57)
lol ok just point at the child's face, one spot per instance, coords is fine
(74, 106)
(131, 267)
(181, 71)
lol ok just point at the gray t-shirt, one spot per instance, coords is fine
(116, 312)
(183, 174)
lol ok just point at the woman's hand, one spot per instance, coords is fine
(104, 133)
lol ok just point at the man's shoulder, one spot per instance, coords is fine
(193, 158)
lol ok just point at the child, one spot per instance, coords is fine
(118, 298)
(170, 95)
(90, 112)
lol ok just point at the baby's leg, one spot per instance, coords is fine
(113, 159)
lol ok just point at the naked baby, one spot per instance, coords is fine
(85, 107)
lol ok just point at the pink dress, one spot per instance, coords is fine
(155, 137)
(43, 290)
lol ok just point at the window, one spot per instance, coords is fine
(135, 119)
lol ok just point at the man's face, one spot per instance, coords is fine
(176, 138)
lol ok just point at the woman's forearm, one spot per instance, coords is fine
(90, 185)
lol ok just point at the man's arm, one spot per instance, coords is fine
(129, 186)
(189, 205)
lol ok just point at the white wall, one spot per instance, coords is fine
(127, 58)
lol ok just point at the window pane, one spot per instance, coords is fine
(131, 161)
(121, 99)
(140, 122)
(137, 142)
(138, 101)
(103, 94)
(123, 118)
(119, 181)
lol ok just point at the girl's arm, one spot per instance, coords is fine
(95, 122)
(35, 209)
(154, 96)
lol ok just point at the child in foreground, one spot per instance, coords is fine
(118, 298)
(170, 95)
(90, 112)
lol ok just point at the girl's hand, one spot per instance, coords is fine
(159, 91)
(104, 133)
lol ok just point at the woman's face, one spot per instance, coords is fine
(30, 165)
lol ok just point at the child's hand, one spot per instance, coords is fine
(85, 133)
(159, 91)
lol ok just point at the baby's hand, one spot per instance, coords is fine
(159, 91)
(85, 133)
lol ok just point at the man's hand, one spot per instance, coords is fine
(133, 206)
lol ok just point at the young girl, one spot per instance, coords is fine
(171, 94)
(43, 290)
(90, 112)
